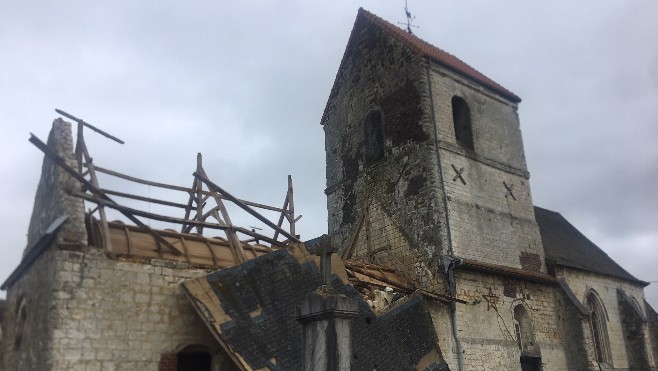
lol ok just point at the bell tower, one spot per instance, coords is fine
(424, 158)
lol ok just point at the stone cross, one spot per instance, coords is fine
(325, 250)
(326, 316)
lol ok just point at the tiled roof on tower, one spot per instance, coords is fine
(425, 49)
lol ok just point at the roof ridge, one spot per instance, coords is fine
(425, 49)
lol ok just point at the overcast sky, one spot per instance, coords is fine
(245, 83)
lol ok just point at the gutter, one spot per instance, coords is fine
(449, 262)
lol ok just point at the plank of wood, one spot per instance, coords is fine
(90, 126)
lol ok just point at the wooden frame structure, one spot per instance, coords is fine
(198, 214)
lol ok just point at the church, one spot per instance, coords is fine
(449, 263)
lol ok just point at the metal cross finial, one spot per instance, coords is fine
(410, 18)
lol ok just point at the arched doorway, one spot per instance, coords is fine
(193, 358)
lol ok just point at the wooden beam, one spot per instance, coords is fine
(214, 187)
(90, 126)
(105, 199)
(188, 210)
(141, 198)
(177, 188)
(168, 219)
(291, 207)
(283, 214)
(186, 249)
(94, 182)
(199, 194)
(233, 240)
(130, 243)
(347, 254)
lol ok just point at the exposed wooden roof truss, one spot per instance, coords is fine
(205, 208)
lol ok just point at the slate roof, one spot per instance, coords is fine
(312, 244)
(564, 245)
(251, 308)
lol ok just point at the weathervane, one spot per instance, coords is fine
(410, 18)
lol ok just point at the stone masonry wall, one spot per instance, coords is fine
(379, 75)
(486, 325)
(113, 315)
(605, 287)
(52, 199)
(652, 317)
(75, 309)
(29, 317)
(488, 222)
(27, 342)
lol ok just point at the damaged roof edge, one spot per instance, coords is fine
(239, 301)
(35, 251)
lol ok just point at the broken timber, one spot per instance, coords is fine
(214, 187)
(108, 201)
(196, 210)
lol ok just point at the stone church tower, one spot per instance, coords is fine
(426, 173)
(427, 140)
(429, 202)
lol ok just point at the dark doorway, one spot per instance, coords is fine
(530, 363)
(193, 361)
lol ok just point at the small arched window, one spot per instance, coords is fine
(525, 337)
(599, 329)
(374, 137)
(461, 118)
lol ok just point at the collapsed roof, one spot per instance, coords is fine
(251, 310)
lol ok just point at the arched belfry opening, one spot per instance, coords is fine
(193, 358)
(461, 118)
(373, 137)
